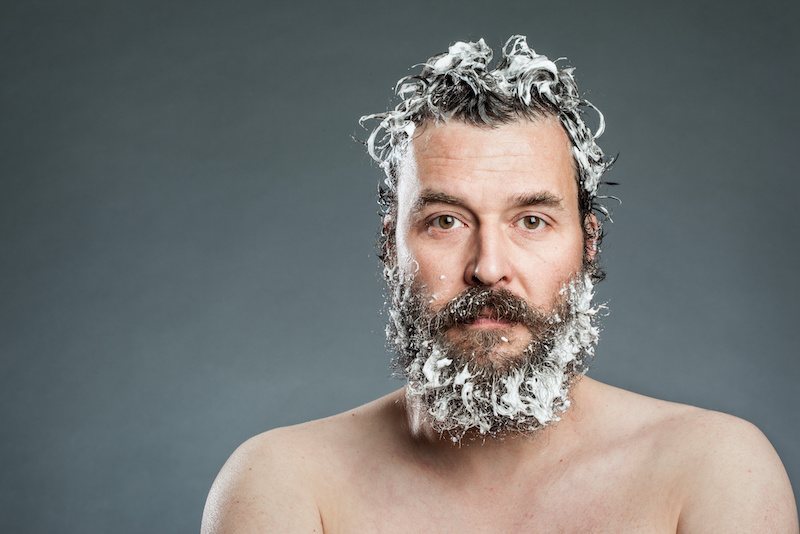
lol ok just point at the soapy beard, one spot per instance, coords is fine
(466, 385)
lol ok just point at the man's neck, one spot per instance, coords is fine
(478, 456)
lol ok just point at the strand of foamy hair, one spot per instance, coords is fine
(522, 74)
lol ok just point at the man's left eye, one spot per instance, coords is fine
(532, 222)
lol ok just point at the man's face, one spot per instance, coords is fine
(495, 208)
(490, 214)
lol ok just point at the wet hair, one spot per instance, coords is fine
(458, 85)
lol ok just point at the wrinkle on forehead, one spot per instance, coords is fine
(522, 150)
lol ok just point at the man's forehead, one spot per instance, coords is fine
(511, 138)
(526, 154)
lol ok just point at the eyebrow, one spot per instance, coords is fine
(428, 197)
(539, 198)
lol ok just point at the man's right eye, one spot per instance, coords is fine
(445, 222)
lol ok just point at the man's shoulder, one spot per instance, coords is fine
(690, 433)
(259, 489)
(277, 475)
(271, 481)
(306, 443)
(666, 420)
(328, 435)
(318, 435)
(723, 469)
(733, 479)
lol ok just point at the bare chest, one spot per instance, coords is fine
(598, 496)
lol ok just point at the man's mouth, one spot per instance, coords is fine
(488, 319)
(488, 322)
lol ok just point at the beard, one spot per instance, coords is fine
(462, 380)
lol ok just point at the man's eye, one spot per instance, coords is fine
(532, 222)
(445, 222)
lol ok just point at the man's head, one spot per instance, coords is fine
(489, 241)
(458, 86)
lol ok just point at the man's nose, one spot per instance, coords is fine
(489, 262)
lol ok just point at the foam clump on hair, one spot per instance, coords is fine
(459, 84)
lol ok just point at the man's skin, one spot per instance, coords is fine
(616, 462)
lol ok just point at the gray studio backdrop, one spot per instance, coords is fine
(187, 226)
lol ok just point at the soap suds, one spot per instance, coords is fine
(522, 75)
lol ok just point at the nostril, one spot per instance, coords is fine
(475, 278)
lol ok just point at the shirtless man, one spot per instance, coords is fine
(490, 245)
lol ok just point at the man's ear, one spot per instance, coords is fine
(591, 229)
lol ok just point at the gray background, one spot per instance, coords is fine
(187, 226)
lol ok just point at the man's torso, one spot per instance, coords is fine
(622, 474)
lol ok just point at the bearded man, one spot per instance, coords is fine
(490, 244)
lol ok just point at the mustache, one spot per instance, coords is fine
(476, 302)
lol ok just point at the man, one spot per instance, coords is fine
(490, 246)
